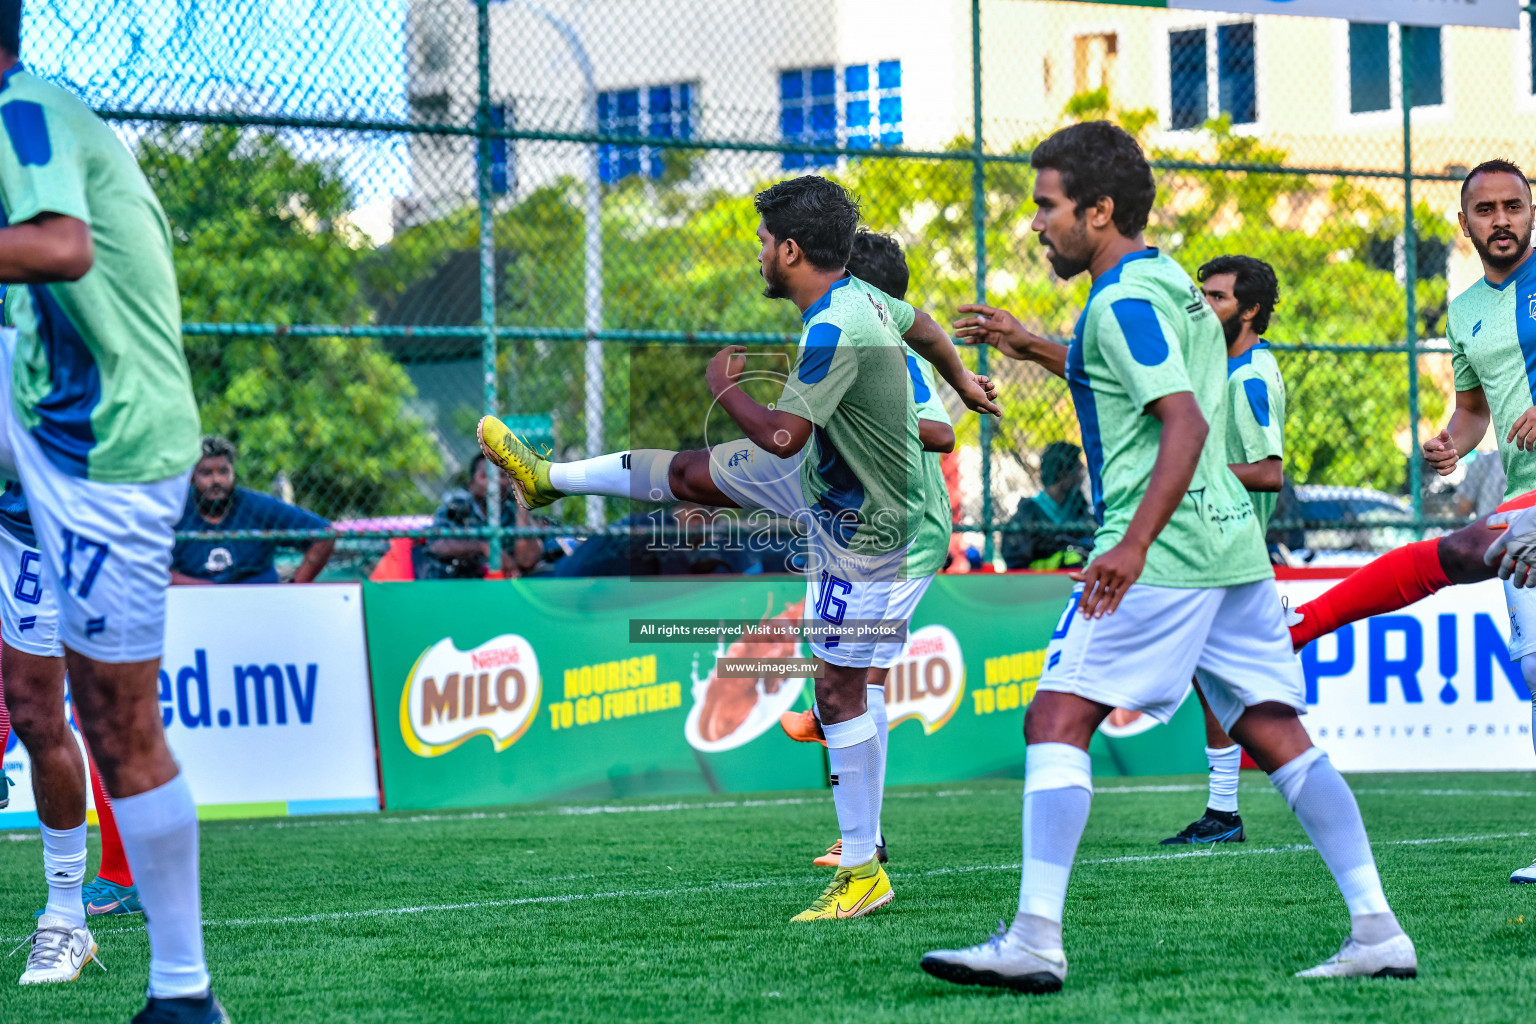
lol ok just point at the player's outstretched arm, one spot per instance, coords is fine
(49, 247)
(930, 341)
(774, 430)
(988, 325)
(1469, 422)
(1111, 574)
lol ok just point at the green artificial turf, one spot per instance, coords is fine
(647, 910)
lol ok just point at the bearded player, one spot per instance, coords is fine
(1490, 330)
(878, 260)
(1180, 582)
(1242, 291)
(858, 492)
(99, 423)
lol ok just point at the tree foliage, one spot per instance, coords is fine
(260, 236)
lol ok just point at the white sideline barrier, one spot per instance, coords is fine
(1428, 688)
(265, 696)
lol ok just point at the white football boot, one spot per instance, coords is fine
(60, 951)
(1394, 958)
(1000, 962)
(1525, 875)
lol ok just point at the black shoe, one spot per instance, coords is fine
(880, 853)
(203, 1010)
(1213, 827)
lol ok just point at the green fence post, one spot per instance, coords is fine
(487, 265)
(1410, 278)
(979, 221)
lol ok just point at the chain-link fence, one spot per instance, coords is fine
(392, 216)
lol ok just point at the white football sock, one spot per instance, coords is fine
(640, 474)
(1058, 789)
(159, 830)
(1326, 808)
(875, 701)
(1224, 762)
(64, 867)
(858, 767)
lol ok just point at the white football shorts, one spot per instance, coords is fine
(1141, 657)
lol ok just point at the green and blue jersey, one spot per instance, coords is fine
(100, 378)
(1146, 333)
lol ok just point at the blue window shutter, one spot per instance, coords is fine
(823, 82)
(889, 74)
(1237, 90)
(1421, 46)
(856, 78)
(1370, 62)
(1188, 106)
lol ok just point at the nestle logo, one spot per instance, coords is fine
(496, 658)
(931, 645)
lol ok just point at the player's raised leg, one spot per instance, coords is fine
(1220, 823)
(642, 474)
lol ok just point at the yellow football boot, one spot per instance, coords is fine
(854, 892)
(529, 470)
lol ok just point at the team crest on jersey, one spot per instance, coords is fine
(1532, 307)
(740, 457)
(880, 310)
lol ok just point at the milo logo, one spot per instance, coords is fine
(451, 695)
(927, 682)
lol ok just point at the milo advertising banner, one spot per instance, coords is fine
(496, 692)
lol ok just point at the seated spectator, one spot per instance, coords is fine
(215, 504)
(1061, 501)
(450, 558)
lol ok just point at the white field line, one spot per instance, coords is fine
(578, 810)
(631, 894)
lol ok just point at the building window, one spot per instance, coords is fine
(1530, 40)
(1373, 73)
(810, 100)
(1211, 72)
(656, 112)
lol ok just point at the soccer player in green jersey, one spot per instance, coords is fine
(1180, 582)
(838, 453)
(1492, 332)
(878, 260)
(1242, 292)
(100, 427)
